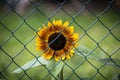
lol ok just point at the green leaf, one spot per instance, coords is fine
(33, 63)
(55, 68)
(111, 62)
(86, 52)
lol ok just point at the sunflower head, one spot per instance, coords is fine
(56, 40)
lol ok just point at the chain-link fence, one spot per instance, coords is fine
(96, 21)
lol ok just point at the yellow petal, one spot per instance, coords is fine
(68, 46)
(49, 24)
(51, 29)
(63, 57)
(56, 58)
(60, 22)
(54, 22)
(71, 52)
(66, 24)
(76, 44)
(39, 44)
(68, 56)
(57, 23)
(43, 34)
(42, 31)
(69, 31)
(59, 54)
(73, 37)
(49, 54)
(43, 46)
(37, 39)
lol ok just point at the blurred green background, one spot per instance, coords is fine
(97, 22)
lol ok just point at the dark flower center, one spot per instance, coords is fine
(58, 43)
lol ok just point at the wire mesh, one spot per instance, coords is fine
(97, 22)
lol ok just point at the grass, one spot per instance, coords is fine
(17, 41)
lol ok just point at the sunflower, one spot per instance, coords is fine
(56, 40)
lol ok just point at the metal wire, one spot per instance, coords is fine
(10, 58)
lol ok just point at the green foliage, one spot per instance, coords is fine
(86, 53)
(111, 62)
(33, 63)
(55, 69)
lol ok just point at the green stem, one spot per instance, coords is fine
(60, 76)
